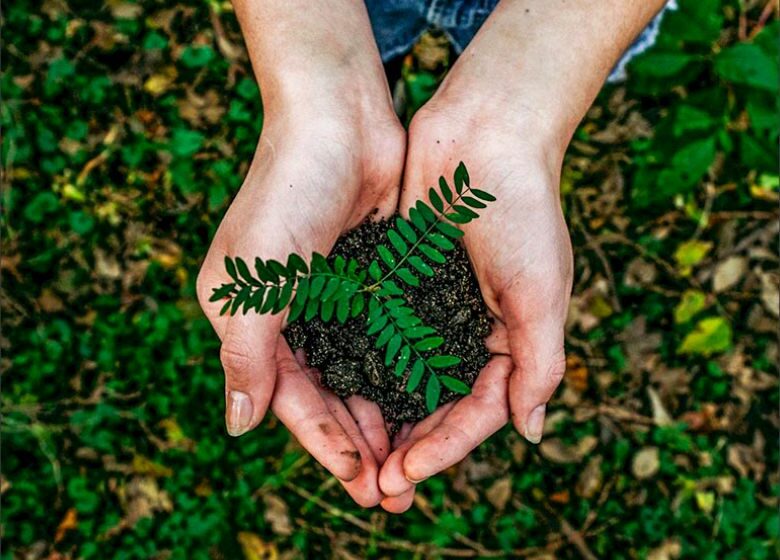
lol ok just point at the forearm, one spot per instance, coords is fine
(547, 58)
(305, 51)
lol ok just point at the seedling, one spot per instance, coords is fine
(343, 289)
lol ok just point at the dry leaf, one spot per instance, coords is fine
(68, 523)
(255, 548)
(591, 478)
(555, 450)
(660, 415)
(728, 273)
(277, 514)
(646, 463)
(668, 550)
(500, 492)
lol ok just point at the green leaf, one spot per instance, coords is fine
(407, 321)
(296, 308)
(255, 300)
(466, 211)
(449, 230)
(420, 265)
(319, 263)
(384, 336)
(226, 307)
(461, 177)
(432, 393)
(302, 290)
(342, 310)
(711, 335)
(435, 199)
(374, 271)
(432, 254)
(442, 362)
(330, 289)
(417, 219)
(440, 241)
(458, 218)
(377, 325)
(397, 242)
(263, 273)
(270, 299)
(415, 376)
(231, 268)
(691, 303)
(295, 262)
(406, 230)
(326, 310)
(392, 349)
(419, 332)
(277, 268)
(390, 288)
(482, 195)
(473, 202)
(312, 307)
(240, 298)
(406, 275)
(454, 385)
(386, 255)
(403, 360)
(338, 264)
(445, 190)
(428, 343)
(243, 271)
(221, 292)
(661, 64)
(316, 287)
(284, 296)
(358, 304)
(426, 212)
(748, 64)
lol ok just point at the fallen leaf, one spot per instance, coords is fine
(660, 415)
(646, 463)
(668, 550)
(705, 501)
(144, 465)
(691, 303)
(555, 450)
(576, 376)
(591, 478)
(162, 81)
(728, 273)
(255, 548)
(500, 492)
(770, 292)
(710, 336)
(277, 514)
(68, 523)
(690, 253)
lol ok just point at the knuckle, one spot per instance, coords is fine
(557, 368)
(237, 361)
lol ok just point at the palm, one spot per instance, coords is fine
(521, 255)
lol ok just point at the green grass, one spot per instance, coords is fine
(126, 131)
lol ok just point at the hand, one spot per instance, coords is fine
(521, 254)
(318, 171)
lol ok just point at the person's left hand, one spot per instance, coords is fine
(521, 254)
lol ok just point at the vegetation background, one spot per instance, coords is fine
(127, 129)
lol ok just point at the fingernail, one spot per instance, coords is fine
(534, 425)
(239, 413)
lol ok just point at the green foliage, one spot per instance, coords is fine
(324, 290)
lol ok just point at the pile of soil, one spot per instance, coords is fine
(449, 301)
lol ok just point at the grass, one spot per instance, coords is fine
(128, 128)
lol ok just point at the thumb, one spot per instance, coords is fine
(535, 327)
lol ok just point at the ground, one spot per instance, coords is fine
(127, 128)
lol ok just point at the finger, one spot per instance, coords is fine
(392, 480)
(299, 406)
(368, 417)
(472, 420)
(399, 504)
(536, 335)
(248, 356)
(497, 342)
(364, 488)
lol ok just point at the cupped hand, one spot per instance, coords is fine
(317, 172)
(521, 254)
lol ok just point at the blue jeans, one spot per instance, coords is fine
(397, 25)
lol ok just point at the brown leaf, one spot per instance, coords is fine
(728, 273)
(500, 492)
(277, 514)
(555, 450)
(591, 478)
(68, 523)
(646, 463)
(668, 550)
(576, 376)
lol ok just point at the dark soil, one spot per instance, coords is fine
(450, 301)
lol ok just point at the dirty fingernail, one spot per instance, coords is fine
(535, 424)
(239, 413)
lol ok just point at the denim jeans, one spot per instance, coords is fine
(397, 25)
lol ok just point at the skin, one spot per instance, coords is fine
(332, 150)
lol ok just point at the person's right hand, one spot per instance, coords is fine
(317, 172)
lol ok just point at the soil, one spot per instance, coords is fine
(449, 301)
